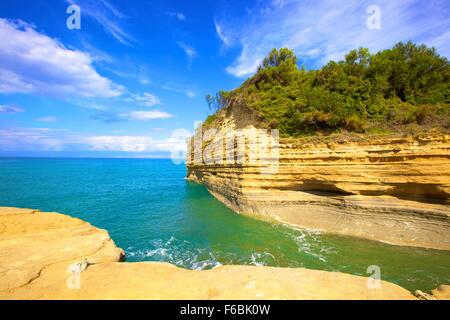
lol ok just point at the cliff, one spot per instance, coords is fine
(393, 189)
(53, 256)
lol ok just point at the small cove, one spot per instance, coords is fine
(154, 214)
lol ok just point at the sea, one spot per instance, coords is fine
(154, 214)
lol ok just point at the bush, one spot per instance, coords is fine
(405, 85)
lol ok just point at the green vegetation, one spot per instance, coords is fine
(403, 88)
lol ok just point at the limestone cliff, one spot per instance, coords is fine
(394, 189)
(53, 256)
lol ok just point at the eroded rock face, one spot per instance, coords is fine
(53, 256)
(395, 189)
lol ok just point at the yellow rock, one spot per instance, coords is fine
(53, 256)
(32, 241)
(390, 189)
(442, 292)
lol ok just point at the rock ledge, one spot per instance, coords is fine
(53, 256)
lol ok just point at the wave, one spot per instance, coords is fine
(178, 252)
(185, 254)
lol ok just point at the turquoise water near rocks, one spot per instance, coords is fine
(154, 214)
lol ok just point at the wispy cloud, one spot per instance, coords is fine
(10, 109)
(146, 115)
(147, 99)
(92, 104)
(180, 16)
(137, 115)
(127, 68)
(46, 119)
(322, 30)
(108, 16)
(226, 38)
(107, 117)
(33, 63)
(188, 92)
(190, 51)
(97, 55)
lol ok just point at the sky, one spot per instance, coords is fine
(132, 80)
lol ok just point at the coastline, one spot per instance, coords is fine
(54, 256)
(392, 189)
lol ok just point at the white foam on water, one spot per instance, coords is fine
(261, 258)
(309, 243)
(177, 252)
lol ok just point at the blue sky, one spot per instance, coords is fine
(138, 70)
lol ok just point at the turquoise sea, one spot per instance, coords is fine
(154, 214)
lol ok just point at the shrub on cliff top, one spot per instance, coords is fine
(408, 84)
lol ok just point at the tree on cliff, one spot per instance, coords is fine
(406, 86)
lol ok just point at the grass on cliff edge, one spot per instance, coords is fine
(405, 89)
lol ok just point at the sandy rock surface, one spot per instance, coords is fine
(54, 256)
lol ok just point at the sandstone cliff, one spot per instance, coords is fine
(391, 189)
(53, 256)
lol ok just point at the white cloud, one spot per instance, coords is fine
(33, 63)
(190, 51)
(146, 115)
(45, 139)
(46, 119)
(244, 66)
(30, 139)
(10, 109)
(132, 144)
(118, 143)
(325, 30)
(147, 99)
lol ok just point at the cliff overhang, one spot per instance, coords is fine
(389, 188)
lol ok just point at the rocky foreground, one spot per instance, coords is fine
(54, 256)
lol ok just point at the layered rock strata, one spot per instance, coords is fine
(390, 189)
